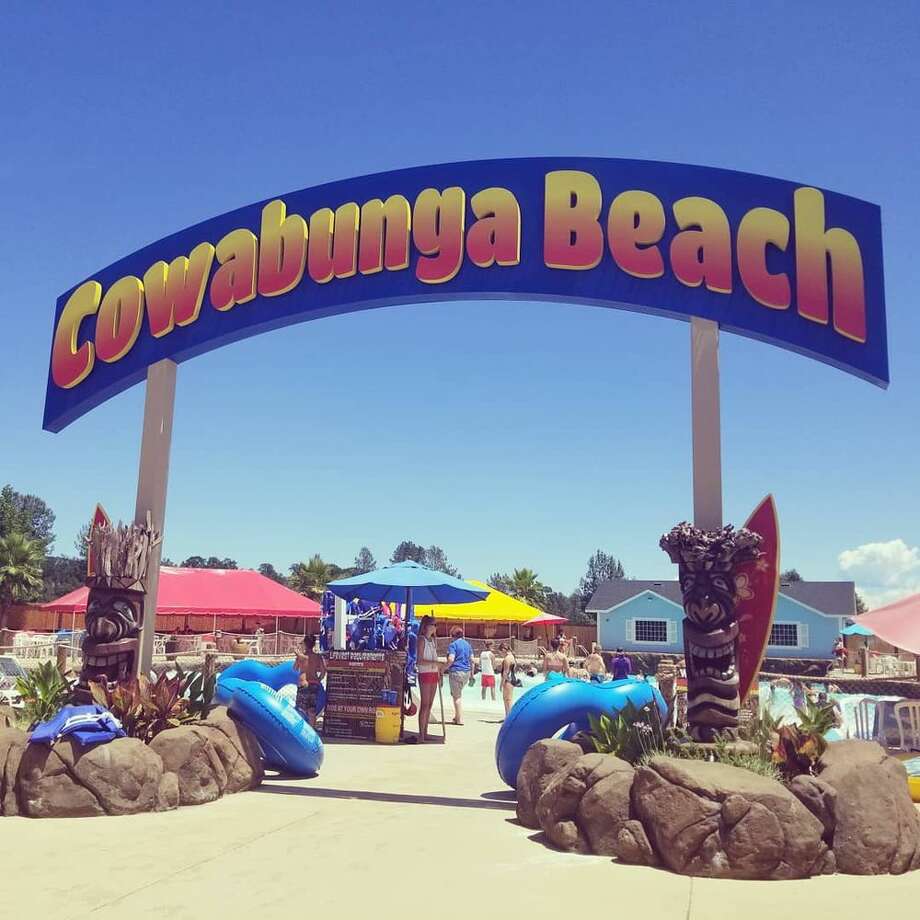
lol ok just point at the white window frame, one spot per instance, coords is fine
(670, 631)
(801, 636)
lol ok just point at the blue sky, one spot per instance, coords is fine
(123, 126)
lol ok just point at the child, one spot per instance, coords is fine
(487, 669)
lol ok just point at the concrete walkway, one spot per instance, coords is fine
(382, 832)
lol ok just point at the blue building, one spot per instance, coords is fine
(646, 616)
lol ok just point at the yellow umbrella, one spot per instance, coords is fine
(496, 607)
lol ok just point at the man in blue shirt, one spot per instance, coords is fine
(459, 670)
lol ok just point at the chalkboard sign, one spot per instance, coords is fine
(355, 682)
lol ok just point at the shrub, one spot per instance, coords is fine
(198, 690)
(44, 691)
(630, 734)
(144, 707)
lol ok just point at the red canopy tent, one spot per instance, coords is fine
(897, 624)
(210, 593)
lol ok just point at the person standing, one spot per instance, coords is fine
(510, 679)
(429, 673)
(622, 666)
(840, 652)
(487, 669)
(312, 668)
(594, 665)
(459, 670)
(555, 660)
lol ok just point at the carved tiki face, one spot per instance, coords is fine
(113, 625)
(707, 561)
(710, 636)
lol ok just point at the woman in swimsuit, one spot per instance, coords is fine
(508, 676)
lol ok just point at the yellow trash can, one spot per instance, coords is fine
(913, 783)
(386, 728)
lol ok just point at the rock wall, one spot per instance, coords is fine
(188, 765)
(713, 820)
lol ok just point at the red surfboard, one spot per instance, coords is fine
(756, 587)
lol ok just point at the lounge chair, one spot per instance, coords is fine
(865, 715)
(907, 714)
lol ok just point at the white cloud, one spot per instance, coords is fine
(883, 572)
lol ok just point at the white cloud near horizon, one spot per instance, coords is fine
(883, 572)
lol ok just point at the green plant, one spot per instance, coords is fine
(144, 707)
(816, 718)
(198, 690)
(630, 734)
(44, 690)
(762, 731)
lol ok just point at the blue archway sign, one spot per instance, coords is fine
(778, 261)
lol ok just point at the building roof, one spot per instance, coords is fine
(215, 592)
(832, 598)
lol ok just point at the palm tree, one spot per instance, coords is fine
(311, 577)
(525, 586)
(20, 570)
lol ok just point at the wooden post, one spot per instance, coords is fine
(152, 477)
(707, 438)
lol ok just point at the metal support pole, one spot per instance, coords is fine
(707, 438)
(152, 477)
(338, 639)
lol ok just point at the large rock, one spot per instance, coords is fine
(542, 760)
(121, 777)
(877, 827)
(604, 810)
(215, 757)
(192, 758)
(820, 799)
(12, 744)
(236, 748)
(715, 820)
(585, 808)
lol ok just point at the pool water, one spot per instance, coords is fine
(779, 701)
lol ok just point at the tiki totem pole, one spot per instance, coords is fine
(707, 561)
(116, 574)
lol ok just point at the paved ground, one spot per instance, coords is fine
(382, 832)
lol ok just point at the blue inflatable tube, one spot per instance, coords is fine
(288, 742)
(549, 707)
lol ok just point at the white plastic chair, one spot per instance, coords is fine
(907, 715)
(865, 715)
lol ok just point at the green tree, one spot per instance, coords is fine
(27, 515)
(311, 577)
(501, 581)
(525, 585)
(860, 604)
(81, 541)
(269, 571)
(436, 558)
(212, 562)
(790, 576)
(20, 571)
(407, 551)
(364, 561)
(601, 567)
(61, 575)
